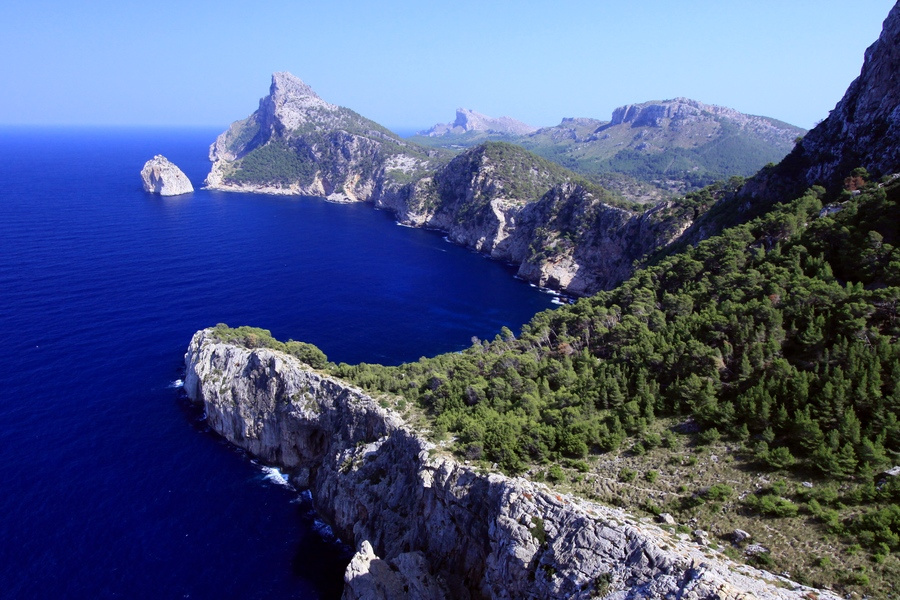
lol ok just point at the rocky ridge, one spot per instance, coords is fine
(297, 143)
(160, 176)
(426, 526)
(863, 130)
(470, 121)
(864, 127)
(561, 231)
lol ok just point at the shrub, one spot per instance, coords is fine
(719, 492)
(555, 473)
(626, 475)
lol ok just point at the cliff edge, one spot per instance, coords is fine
(426, 526)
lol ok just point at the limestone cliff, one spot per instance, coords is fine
(426, 526)
(863, 130)
(561, 231)
(162, 177)
(297, 143)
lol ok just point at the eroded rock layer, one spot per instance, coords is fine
(428, 527)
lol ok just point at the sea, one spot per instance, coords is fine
(112, 484)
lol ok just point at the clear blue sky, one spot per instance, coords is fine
(410, 64)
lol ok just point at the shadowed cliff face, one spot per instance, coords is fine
(427, 527)
(864, 127)
(863, 130)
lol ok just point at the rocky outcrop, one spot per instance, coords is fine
(426, 526)
(681, 113)
(470, 121)
(561, 232)
(297, 143)
(863, 130)
(164, 178)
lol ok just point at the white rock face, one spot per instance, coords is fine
(427, 527)
(469, 120)
(164, 178)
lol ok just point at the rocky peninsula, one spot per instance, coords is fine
(426, 526)
(164, 178)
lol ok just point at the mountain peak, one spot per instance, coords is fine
(655, 113)
(290, 102)
(468, 120)
(286, 84)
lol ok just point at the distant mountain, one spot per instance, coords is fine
(674, 145)
(469, 122)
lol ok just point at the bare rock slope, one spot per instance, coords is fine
(427, 527)
(297, 143)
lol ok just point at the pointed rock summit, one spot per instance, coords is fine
(297, 143)
(290, 103)
(162, 177)
(469, 120)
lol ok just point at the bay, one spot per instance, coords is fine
(113, 486)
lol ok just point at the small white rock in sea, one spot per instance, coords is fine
(162, 177)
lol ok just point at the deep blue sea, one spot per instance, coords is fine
(112, 486)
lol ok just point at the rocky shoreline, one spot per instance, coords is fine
(426, 526)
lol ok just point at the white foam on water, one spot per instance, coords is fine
(274, 475)
(178, 383)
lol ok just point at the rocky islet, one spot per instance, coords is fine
(162, 177)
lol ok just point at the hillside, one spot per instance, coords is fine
(561, 230)
(673, 146)
(778, 338)
(297, 143)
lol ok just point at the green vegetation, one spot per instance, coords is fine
(514, 174)
(773, 346)
(254, 337)
(276, 163)
(779, 335)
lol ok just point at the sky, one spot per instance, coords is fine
(411, 64)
